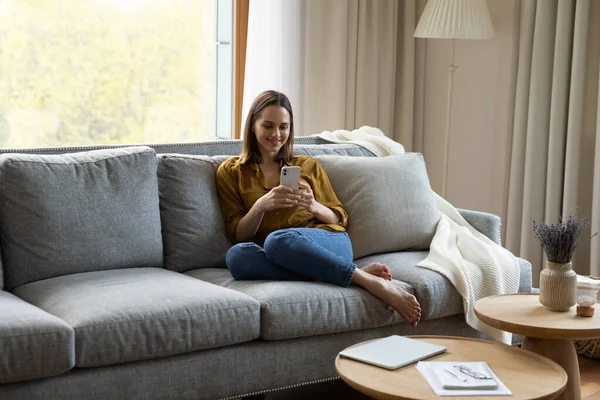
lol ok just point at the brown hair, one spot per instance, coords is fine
(250, 153)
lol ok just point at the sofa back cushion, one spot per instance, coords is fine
(78, 212)
(389, 201)
(194, 234)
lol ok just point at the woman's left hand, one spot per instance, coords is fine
(307, 198)
(309, 203)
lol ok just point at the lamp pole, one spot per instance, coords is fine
(453, 19)
(451, 69)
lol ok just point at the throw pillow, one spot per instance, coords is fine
(78, 212)
(389, 201)
(193, 229)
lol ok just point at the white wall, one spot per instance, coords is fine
(481, 126)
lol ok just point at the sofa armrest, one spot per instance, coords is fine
(489, 225)
(486, 223)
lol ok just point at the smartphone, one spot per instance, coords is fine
(290, 176)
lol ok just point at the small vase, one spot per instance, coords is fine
(558, 286)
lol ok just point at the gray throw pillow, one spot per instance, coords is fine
(78, 212)
(194, 234)
(389, 201)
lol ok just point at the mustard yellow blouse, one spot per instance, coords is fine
(239, 186)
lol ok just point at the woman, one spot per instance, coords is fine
(284, 234)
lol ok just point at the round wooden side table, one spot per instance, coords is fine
(548, 333)
(527, 375)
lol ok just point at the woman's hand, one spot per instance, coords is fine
(307, 198)
(279, 197)
(308, 202)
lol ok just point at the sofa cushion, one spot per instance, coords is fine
(299, 309)
(389, 201)
(339, 149)
(33, 343)
(193, 231)
(78, 212)
(142, 313)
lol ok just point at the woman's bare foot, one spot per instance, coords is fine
(378, 269)
(391, 294)
(403, 302)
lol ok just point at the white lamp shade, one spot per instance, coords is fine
(455, 19)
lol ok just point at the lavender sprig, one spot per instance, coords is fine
(559, 240)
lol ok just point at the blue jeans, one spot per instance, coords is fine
(295, 254)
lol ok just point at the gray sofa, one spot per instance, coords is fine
(114, 284)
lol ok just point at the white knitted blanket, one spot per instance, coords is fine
(474, 264)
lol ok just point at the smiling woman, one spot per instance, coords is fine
(272, 129)
(114, 71)
(286, 233)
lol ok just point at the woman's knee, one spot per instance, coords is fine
(280, 241)
(237, 259)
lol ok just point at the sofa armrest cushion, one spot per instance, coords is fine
(389, 201)
(486, 223)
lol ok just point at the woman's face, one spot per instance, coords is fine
(272, 130)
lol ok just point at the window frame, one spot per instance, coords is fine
(240, 12)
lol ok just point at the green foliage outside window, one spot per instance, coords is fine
(76, 72)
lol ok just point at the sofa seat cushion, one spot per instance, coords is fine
(141, 313)
(437, 296)
(33, 343)
(67, 213)
(299, 309)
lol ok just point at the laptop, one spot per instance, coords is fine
(393, 352)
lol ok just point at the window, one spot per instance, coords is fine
(78, 72)
(224, 79)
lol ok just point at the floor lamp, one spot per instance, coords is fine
(454, 19)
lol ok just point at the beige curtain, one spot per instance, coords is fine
(554, 166)
(360, 67)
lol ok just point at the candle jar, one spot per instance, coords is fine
(586, 298)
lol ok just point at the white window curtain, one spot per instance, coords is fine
(342, 63)
(275, 53)
(555, 160)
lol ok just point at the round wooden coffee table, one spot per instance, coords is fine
(548, 333)
(527, 375)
